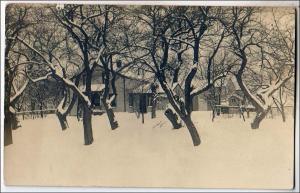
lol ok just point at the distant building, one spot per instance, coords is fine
(131, 90)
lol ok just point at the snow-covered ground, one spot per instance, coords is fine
(231, 154)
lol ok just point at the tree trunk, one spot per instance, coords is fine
(192, 129)
(87, 125)
(173, 118)
(213, 114)
(62, 113)
(14, 121)
(110, 114)
(154, 88)
(106, 80)
(242, 113)
(8, 115)
(153, 109)
(41, 111)
(258, 118)
(283, 113)
(62, 120)
(8, 122)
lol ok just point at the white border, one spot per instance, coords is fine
(83, 189)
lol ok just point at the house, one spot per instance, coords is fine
(133, 89)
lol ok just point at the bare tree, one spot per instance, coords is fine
(157, 20)
(56, 71)
(54, 43)
(94, 29)
(17, 19)
(248, 42)
(93, 52)
(174, 32)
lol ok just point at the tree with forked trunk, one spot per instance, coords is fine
(254, 44)
(63, 108)
(172, 34)
(57, 72)
(94, 29)
(106, 98)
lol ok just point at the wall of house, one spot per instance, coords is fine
(202, 104)
(121, 100)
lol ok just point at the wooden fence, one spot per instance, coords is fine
(35, 114)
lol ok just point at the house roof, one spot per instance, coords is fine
(235, 83)
(94, 87)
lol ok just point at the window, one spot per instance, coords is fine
(119, 63)
(114, 102)
(149, 101)
(130, 98)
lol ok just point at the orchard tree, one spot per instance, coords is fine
(173, 33)
(97, 32)
(269, 52)
(17, 19)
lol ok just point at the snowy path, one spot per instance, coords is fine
(152, 154)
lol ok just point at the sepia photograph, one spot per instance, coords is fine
(149, 96)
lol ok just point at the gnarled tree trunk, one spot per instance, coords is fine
(258, 118)
(179, 108)
(62, 111)
(110, 114)
(173, 118)
(62, 120)
(106, 99)
(192, 129)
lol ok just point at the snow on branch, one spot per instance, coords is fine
(22, 63)
(170, 95)
(40, 78)
(14, 86)
(268, 92)
(111, 99)
(254, 100)
(60, 108)
(51, 66)
(59, 76)
(19, 92)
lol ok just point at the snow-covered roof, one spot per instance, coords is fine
(94, 87)
(235, 83)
